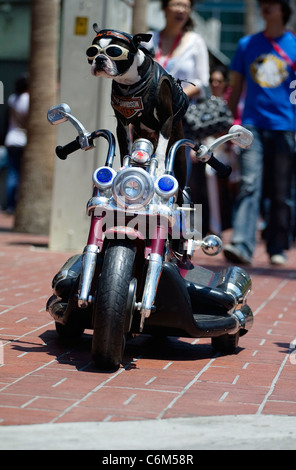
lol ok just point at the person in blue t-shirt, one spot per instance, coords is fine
(264, 67)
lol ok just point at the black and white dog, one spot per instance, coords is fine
(143, 95)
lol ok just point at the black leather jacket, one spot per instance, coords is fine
(141, 98)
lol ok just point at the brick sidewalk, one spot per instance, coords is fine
(44, 381)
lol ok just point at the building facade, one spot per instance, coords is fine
(231, 15)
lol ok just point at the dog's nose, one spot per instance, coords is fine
(100, 59)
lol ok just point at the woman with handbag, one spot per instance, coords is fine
(221, 192)
(182, 52)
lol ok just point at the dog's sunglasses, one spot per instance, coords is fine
(112, 51)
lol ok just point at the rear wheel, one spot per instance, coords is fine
(111, 304)
(226, 343)
(73, 330)
(74, 327)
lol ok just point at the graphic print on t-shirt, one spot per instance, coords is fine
(269, 71)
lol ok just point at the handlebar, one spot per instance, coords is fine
(223, 170)
(202, 154)
(63, 151)
(62, 112)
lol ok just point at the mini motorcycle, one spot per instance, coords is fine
(136, 275)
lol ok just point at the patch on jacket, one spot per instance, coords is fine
(129, 106)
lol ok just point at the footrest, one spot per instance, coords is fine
(200, 275)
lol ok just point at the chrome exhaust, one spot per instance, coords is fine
(245, 318)
(236, 282)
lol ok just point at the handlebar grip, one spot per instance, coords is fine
(223, 170)
(63, 152)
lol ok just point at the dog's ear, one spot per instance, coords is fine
(141, 37)
(96, 28)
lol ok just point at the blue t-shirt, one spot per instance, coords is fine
(268, 78)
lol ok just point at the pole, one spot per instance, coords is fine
(139, 23)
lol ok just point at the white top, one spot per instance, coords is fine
(18, 115)
(191, 63)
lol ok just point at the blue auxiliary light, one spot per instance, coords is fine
(165, 183)
(103, 177)
(166, 186)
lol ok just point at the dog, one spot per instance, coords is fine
(144, 96)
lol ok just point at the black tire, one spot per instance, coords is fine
(226, 343)
(111, 305)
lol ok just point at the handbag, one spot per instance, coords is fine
(210, 117)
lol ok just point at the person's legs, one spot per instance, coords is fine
(14, 164)
(280, 174)
(246, 208)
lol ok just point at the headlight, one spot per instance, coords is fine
(166, 186)
(133, 187)
(103, 177)
(142, 149)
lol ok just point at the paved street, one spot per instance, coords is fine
(44, 382)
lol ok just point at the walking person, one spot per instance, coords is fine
(221, 191)
(16, 138)
(182, 52)
(265, 63)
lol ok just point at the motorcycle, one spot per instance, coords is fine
(136, 274)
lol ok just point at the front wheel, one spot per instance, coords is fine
(110, 307)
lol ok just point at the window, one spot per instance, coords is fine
(232, 18)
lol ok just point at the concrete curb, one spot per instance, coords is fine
(246, 432)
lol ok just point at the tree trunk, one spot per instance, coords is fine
(36, 180)
(139, 16)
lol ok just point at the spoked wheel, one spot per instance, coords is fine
(226, 343)
(111, 305)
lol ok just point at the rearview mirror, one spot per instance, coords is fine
(59, 113)
(244, 139)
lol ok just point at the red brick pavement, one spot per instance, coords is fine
(44, 381)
